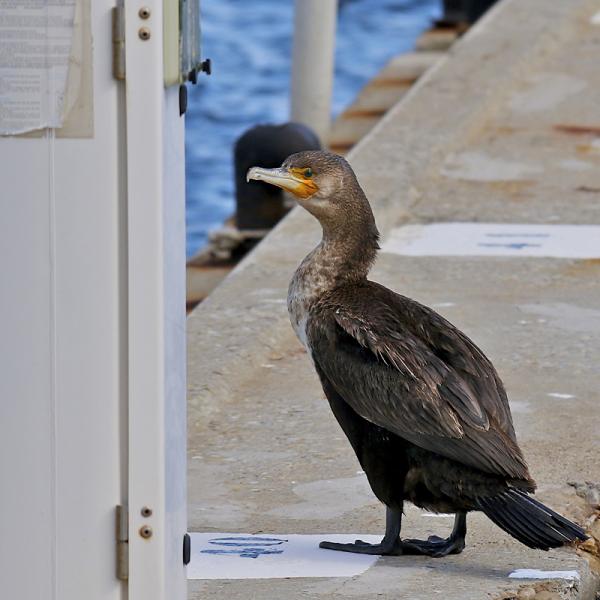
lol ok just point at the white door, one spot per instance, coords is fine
(92, 319)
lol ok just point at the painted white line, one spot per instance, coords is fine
(274, 556)
(536, 574)
(561, 396)
(437, 515)
(495, 239)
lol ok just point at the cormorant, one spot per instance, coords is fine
(422, 406)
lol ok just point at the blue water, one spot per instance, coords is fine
(250, 47)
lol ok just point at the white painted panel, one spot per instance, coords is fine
(26, 384)
(156, 284)
(91, 337)
(495, 239)
(62, 390)
(146, 304)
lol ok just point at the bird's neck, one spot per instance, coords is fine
(351, 243)
(343, 257)
(350, 254)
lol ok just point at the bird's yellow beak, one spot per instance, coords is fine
(291, 180)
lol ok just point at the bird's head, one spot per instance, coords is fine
(325, 185)
(321, 182)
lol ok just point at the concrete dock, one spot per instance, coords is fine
(505, 129)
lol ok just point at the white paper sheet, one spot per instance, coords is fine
(537, 574)
(494, 239)
(35, 46)
(269, 556)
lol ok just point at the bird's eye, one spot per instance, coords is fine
(308, 173)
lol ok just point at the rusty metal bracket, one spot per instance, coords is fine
(118, 40)
(122, 538)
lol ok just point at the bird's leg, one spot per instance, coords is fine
(436, 546)
(389, 545)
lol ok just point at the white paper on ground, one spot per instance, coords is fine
(536, 574)
(495, 239)
(270, 556)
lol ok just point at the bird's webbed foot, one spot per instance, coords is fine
(437, 547)
(385, 548)
(434, 546)
(390, 545)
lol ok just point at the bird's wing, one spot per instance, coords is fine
(403, 367)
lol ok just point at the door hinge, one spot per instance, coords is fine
(122, 538)
(118, 42)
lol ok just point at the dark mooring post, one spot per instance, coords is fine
(464, 11)
(258, 205)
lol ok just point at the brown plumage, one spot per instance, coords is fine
(422, 406)
(436, 388)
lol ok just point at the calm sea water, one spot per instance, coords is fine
(250, 47)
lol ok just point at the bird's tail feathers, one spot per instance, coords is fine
(529, 521)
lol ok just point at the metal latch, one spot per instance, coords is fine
(187, 548)
(122, 536)
(118, 40)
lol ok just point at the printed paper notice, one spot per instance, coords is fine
(35, 46)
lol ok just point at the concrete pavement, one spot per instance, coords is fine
(506, 129)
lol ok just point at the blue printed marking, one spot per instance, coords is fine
(245, 547)
(513, 246)
(246, 541)
(523, 235)
(243, 552)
